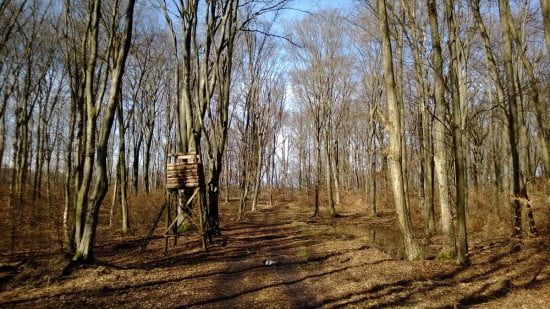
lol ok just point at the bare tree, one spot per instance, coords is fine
(262, 98)
(459, 108)
(396, 134)
(439, 137)
(516, 125)
(120, 191)
(205, 83)
(10, 12)
(95, 162)
(27, 88)
(11, 15)
(322, 80)
(417, 40)
(370, 138)
(510, 100)
(147, 81)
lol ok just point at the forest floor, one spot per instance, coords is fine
(349, 261)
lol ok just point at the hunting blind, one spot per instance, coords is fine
(183, 174)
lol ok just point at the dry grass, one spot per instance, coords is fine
(350, 261)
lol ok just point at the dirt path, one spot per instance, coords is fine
(327, 263)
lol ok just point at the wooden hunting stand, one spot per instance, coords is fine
(183, 171)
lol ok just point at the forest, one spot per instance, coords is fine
(371, 153)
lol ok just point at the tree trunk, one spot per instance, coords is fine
(147, 159)
(73, 150)
(244, 197)
(90, 123)
(373, 190)
(501, 173)
(370, 171)
(226, 178)
(540, 112)
(84, 249)
(116, 196)
(336, 172)
(329, 175)
(516, 125)
(135, 163)
(212, 185)
(545, 5)
(439, 137)
(458, 88)
(317, 169)
(396, 134)
(258, 176)
(426, 149)
(69, 174)
(271, 177)
(2, 139)
(121, 169)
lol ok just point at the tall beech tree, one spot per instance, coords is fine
(393, 125)
(439, 135)
(459, 108)
(417, 40)
(516, 124)
(99, 114)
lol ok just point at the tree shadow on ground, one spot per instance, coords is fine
(321, 263)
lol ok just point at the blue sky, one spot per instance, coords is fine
(314, 5)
